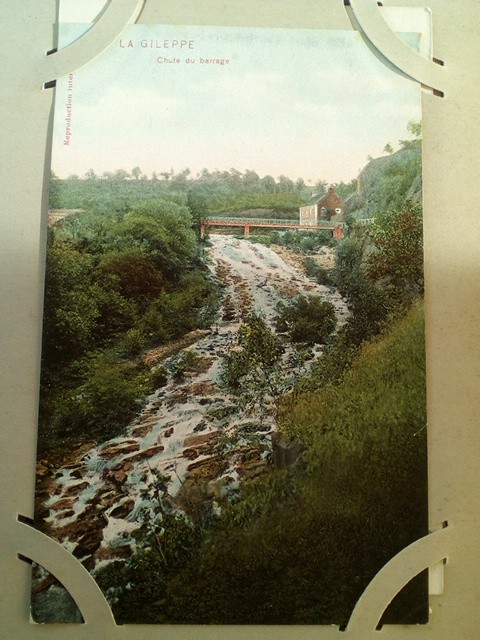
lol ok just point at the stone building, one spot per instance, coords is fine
(329, 207)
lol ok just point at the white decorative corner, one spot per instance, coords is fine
(370, 19)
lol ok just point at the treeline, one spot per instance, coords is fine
(116, 284)
(223, 191)
(300, 544)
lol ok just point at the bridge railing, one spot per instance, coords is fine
(274, 221)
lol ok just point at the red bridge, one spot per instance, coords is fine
(337, 228)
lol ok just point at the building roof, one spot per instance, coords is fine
(330, 201)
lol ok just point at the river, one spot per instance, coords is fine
(190, 431)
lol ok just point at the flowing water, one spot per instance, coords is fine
(191, 430)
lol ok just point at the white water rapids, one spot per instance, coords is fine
(191, 428)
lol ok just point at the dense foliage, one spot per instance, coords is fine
(306, 319)
(116, 283)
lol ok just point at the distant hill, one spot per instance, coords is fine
(386, 182)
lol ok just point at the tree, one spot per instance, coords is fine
(285, 185)
(91, 175)
(161, 229)
(268, 184)
(388, 148)
(134, 274)
(197, 203)
(121, 174)
(54, 197)
(307, 319)
(136, 172)
(367, 303)
(320, 188)
(397, 262)
(415, 128)
(254, 369)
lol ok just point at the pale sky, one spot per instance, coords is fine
(302, 103)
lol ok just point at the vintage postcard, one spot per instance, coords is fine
(232, 418)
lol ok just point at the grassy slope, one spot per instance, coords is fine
(302, 547)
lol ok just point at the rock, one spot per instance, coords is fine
(88, 543)
(194, 488)
(113, 553)
(42, 468)
(144, 429)
(168, 432)
(201, 389)
(285, 451)
(191, 454)
(203, 439)
(115, 450)
(38, 586)
(251, 469)
(123, 510)
(119, 473)
(207, 468)
(104, 500)
(67, 514)
(146, 453)
(76, 474)
(75, 489)
(41, 512)
(218, 489)
(64, 503)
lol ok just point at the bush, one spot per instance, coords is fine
(186, 361)
(100, 407)
(314, 270)
(158, 378)
(306, 319)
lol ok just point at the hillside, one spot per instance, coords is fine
(386, 182)
(303, 543)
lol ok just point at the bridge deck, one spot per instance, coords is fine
(336, 227)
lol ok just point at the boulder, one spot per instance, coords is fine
(218, 488)
(286, 451)
(191, 454)
(251, 469)
(75, 489)
(144, 429)
(119, 473)
(202, 439)
(146, 453)
(123, 510)
(88, 543)
(113, 553)
(115, 450)
(64, 503)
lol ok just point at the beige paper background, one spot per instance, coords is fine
(452, 235)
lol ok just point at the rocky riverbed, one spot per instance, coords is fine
(191, 430)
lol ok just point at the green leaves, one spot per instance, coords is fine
(307, 319)
(116, 283)
(398, 256)
(254, 369)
